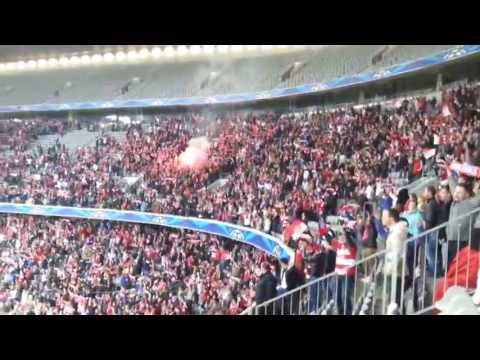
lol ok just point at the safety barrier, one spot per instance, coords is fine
(365, 291)
(407, 287)
(428, 263)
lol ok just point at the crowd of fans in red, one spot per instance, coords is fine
(275, 165)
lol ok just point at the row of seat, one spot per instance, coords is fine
(164, 80)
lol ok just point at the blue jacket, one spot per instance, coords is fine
(387, 203)
(381, 230)
(416, 222)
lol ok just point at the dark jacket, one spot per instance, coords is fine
(266, 288)
(293, 278)
(319, 264)
(331, 262)
(276, 226)
(290, 304)
(369, 237)
(431, 214)
(443, 212)
(443, 216)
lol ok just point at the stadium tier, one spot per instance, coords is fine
(201, 77)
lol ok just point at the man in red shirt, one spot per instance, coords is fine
(341, 286)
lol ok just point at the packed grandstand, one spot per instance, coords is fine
(362, 208)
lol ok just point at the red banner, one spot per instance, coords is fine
(466, 169)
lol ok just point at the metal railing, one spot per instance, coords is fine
(409, 286)
(428, 266)
(363, 290)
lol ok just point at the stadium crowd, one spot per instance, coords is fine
(68, 267)
(297, 167)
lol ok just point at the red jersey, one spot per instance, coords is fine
(346, 256)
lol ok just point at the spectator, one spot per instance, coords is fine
(359, 229)
(266, 289)
(416, 226)
(387, 201)
(291, 278)
(460, 227)
(317, 258)
(331, 253)
(444, 200)
(369, 245)
(382, 231)
(414, 217)
(341, 286)
(432, 248)
(402, 201)
(392, 269)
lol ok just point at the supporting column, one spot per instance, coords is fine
(361, 97)
(439, 82)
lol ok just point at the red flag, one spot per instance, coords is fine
(417, 167)
(297, 227)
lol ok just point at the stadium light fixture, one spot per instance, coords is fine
(21, 65)
(96, 59)
(223, 49)
(85, 59)
(120, 56)
(267, 47)
(52, 62)
(144, 53)
(42, 63)
(195, 49)
(252, 47)
(74, 60)
(169, 51)
(156, 52)
(132, 55)
(237, 48)
(208, 49)
(182, 50)
(108, 57)
(32, 64)
(64, 61)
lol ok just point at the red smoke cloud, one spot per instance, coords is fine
(196, 155)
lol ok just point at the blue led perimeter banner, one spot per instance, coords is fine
(363, 78)
(262, 241)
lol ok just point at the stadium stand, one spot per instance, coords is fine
(181, 79)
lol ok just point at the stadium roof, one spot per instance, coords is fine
(12, 53)
(34, 52)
